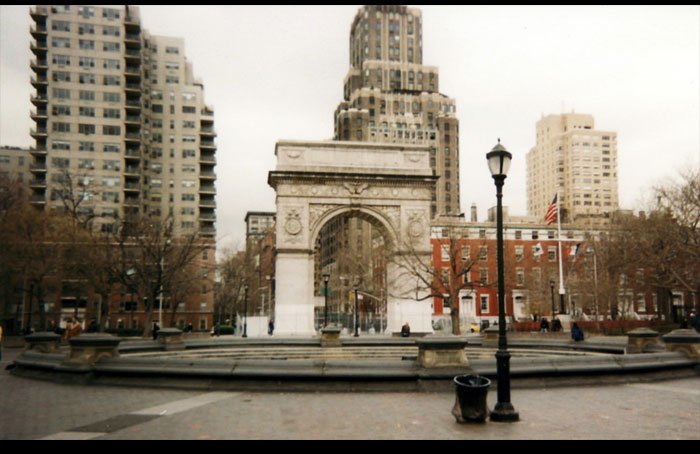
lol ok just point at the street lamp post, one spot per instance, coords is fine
(355, 283)
(551, 287)
(245, 311)
(499, 161)
(326, 277)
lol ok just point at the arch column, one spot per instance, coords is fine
(294, 299)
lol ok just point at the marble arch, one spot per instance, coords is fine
(387, 185)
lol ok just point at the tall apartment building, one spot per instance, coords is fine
(390, 96)
(120, 110)
(580, 162)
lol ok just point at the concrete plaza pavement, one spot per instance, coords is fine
(33, 409)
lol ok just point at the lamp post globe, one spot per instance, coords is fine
(499, 163)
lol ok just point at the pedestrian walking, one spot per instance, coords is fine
(576, 333)
(156, 328)
(270, 327)
(544, 325)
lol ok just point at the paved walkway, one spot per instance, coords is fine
(33, 409)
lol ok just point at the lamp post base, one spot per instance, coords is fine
(504, 412)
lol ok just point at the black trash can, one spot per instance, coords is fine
(470, 399)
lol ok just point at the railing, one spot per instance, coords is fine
(39, 11)
(36, 29)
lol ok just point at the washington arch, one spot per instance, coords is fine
(386, 185)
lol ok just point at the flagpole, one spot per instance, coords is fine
(561, 270)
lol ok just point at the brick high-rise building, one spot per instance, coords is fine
(391, 97)
(120, 109)
(580, 162)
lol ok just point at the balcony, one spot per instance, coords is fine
(207, 217)
(132, 171)
(38, 199)
(207, 131)
(37, 168)
(132, 186)
(39, 65)
(207, 203)
(132, 202)
(133, 71)
(38, 31)
(207, 175)
(207, 189)
(207, 230)
(39, 114)
(133, 87)
(133, 119)
(37, 183)
(206, 159)
(133, 153)
(133, 37)
(132, 137)
(132, 20)
(133, 54)
(39, 81)
(208, 144)
(38, 100)
(40, 151)
(133, 104)
(39, 48)
(38, 132)
(39, 12)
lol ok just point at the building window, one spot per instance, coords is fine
(110, 130)
(483, 252)
(110, 46)
(109, 30)
(552, 253)
(62, 93)
(87, 95)
(484, 304)
(87, 111)
(111, 148)
(86, 44)
(86, 62)
(112, 113)
(484, 276)
(61, 127)
(519, 253)
(519, 277)
(111, 80)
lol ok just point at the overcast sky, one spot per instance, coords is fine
(276, 72)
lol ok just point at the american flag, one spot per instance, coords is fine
(551, 214)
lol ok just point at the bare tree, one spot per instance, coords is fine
(155, 256)
(233, 274)
(443, 282)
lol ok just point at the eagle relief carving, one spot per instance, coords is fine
(355, 188)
